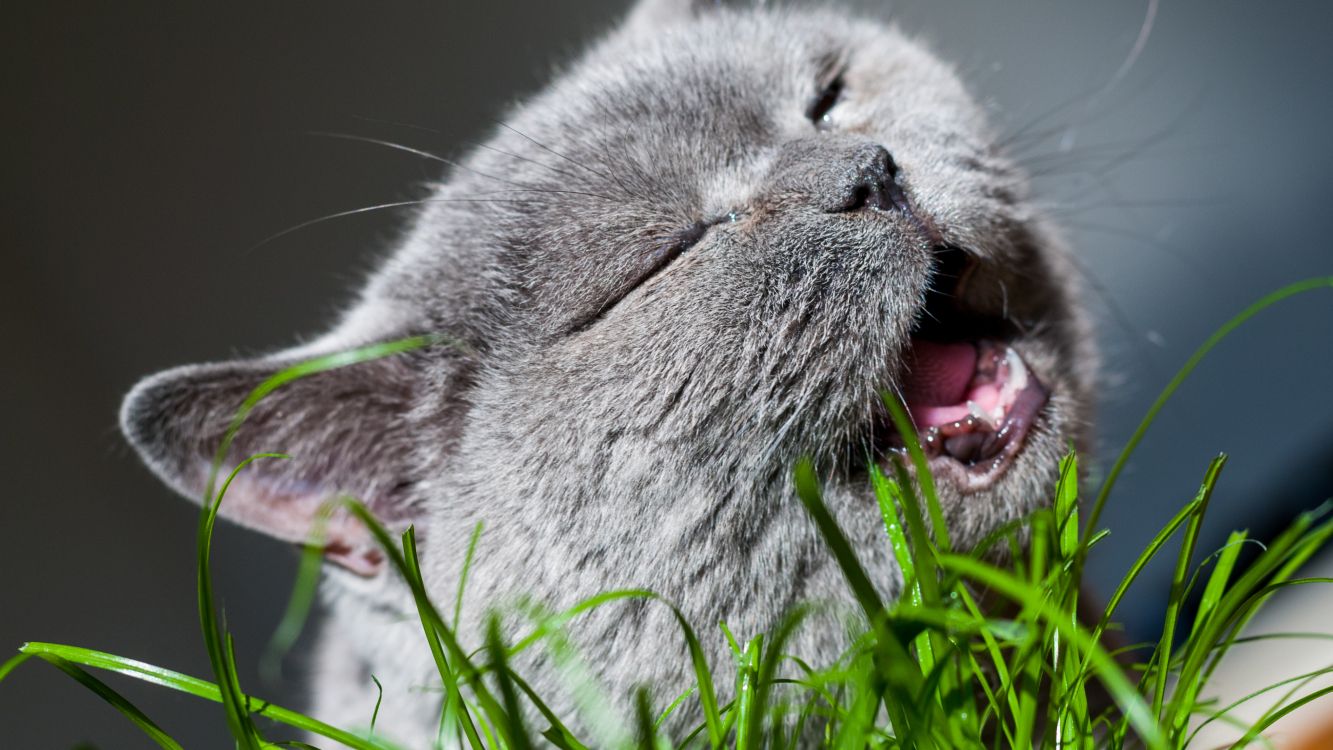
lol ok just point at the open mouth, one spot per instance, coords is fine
(969, 392)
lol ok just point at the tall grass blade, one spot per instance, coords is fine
(643, 715)
(557, 734)
(1131, 703)
(216, 640)
(301, 600)
(510, 724)
(902, 422)
(898, 679)
(116, 700)
(1177, 596)
(1265, 302)
(13, 662)
(224, 668)
(467, 568)
(1273, 717)
(766, 676)
(193, 686)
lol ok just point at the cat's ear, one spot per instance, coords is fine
(653, 14)
(346, 430)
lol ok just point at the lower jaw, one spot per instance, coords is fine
(970, 479)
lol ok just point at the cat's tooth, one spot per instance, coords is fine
(980, 414)
(1018, 372)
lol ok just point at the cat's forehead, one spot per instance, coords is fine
(719, 85)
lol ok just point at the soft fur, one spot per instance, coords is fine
(618, 435)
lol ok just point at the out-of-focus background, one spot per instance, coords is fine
(147, 146)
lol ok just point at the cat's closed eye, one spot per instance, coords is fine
(821, 107)
(649, 264)
(673, 248)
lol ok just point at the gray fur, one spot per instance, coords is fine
(645, 443)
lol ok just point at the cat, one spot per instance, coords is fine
(701, 254)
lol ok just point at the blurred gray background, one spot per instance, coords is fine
(148, 145)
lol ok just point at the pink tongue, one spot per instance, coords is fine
(938, 374)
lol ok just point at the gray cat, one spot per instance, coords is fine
(698, 256)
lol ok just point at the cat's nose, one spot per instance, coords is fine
(874, 183)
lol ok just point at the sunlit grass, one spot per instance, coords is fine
(933, 669)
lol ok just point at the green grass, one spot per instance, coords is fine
(933, 669)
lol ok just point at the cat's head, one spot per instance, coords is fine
(701, 254)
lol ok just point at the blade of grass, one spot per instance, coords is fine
(1068, 692)
(902, 422)
(13, 662)
(1176, 598)
(1291, 290)
(467, 567)
(192, 686)
(643, 714)
(561, 619)
(896, 670)
(224, 668)
(1227, 709)
(1225, 562)
(747, 676)
(305, 369)
(216, 640)
(1223, 565)
(889, 496)
(558, 733)
(379, 698)
(512, 728)
(1154, 546)
(1268, 721)
(301, 600)
(1284, 555)
(438, 635)
(925, 546)
(672, 706)
(1019, 591)
(767, 673)
(599, 719)
(703, 675)
(434, 628)
(116, 700)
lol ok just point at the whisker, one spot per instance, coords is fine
(1145, 30)
(442, 160)
(1089, 100)
(397, 123)
(387, 144)
(1073, 208)
(1025, 132)
(576, 163)
(1186, 262)
(553, 191)
(366, 209)
(520, 157)
(1117, 313)
(628, 162)
(1113, 159)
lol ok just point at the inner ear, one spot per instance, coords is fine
(347, 431)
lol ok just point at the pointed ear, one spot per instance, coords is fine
(653, 14)
(346, 431)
